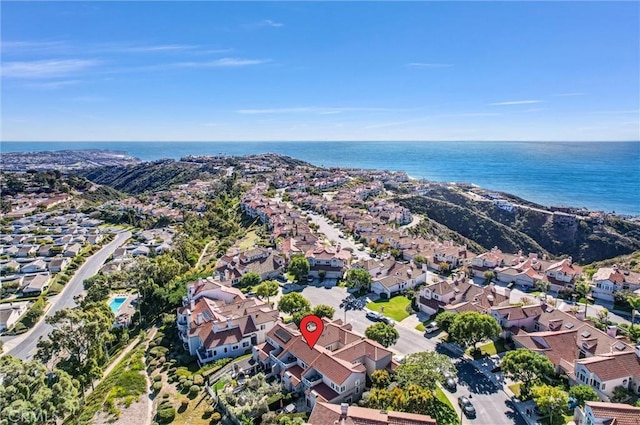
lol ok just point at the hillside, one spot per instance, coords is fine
(529, 229)
(150, 176)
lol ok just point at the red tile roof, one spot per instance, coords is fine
(621, 414)
(330, 414)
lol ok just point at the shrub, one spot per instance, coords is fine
(215, 417)
(166, 416)
(198, 379)
(166, 404)
(184, 402)
(165, 396)
(157, 386)
(157, 378)
(187, 383)
(194, 389)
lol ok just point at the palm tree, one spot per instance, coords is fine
(583, 289)
(543, 286)
(634, 302)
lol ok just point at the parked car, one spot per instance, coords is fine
(372, 315)
(467, 407)
(431, 327)
(450, 384)
(387, 320)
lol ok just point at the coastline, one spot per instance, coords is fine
(589, 174)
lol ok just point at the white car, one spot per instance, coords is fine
(431, 327)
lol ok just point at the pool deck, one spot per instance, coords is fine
(126, 310)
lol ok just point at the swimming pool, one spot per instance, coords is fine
(116, 303)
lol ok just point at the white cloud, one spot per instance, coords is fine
(32, 46)
(53, 85)
(428, 65)
(312, 110)
(153, 48)
(221, 63)
(47, 68)
(270, 23)
(516, 102)
(569, 94)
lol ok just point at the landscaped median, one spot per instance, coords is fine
(395, 308)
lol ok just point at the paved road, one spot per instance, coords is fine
(24, 346)
(333, 234)
(492, 404)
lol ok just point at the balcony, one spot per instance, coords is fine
(183, 336)
(312, 379)
(204, 356)
(285, 363)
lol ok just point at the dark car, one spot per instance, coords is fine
(450, 384)
(467, 407)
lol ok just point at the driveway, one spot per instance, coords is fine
(24, 346)
(333, 234)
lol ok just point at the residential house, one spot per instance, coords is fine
(512, 318)
(526, 272)
(602, 413)
(583, 352)
(217, 321)
(35, 284)
(140, 250)
(488, 261)
(36, 266)
(334, 370)
(563, 274)
(10, 313)
(608, 280)
(343, 414)
(120, 253)
(461, 295)
(58, 264)
(27, 251)
(327, 261)
(264, 261)
(11, 266)
(72, 250)
(397, 278)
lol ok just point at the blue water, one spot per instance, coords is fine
(116, 303)
(599, 176)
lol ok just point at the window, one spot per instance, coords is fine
(261, 327)
(225, 349)
(342, 388)
(215, 352)
(235, 347)
(602, 387)
(245, 344)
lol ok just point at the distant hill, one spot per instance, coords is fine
(150, 176)
(529, 229)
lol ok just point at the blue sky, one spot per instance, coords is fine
(320, 71)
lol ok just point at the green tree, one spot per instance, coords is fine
(77, 342)
(358, 279)
(583, 393)
(380, 378)
(322, 310)
(634, 303)
(299, 267)
(293, 303)
(444, 267)
(419, 260)
(268, 289)
(550, 399)
(31, 395)
(385, 335)
(445, 320)
(543, 286)
(425, 368)
(489, 275)
(583, 289)
(250, 279)
(470, 328)
(417, 399)
(526, 366)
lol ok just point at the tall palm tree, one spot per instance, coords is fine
(543, 286)
(583, 289)
(634, 302)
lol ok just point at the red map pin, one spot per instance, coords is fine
(311, 327)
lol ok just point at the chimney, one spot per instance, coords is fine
(192, 305)
(215, 327)
(612, 331)
(228, 322)
(344, 409)
(507, 292)
(199, 319)
(580, 315)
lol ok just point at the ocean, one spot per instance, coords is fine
(602, 176)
